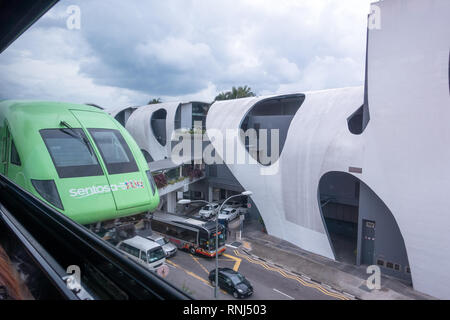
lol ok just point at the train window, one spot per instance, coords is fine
(4, 150)
(114, 150)
(71, 153)
(15, 159)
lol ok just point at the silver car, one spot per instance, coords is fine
(169, 248)
(209, 210)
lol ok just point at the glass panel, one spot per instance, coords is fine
(111, 147)
(15, 159)
(114, 150)
(143, 256)
(71, 153)
(155, 254)
(161, 241)
(236, 278)
(212, 241)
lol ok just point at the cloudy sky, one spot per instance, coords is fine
(127, 52)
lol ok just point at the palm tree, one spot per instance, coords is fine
(223, 96)
(236, 93)
(155, 101)
(242, 92)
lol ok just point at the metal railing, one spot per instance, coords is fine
(56, 242)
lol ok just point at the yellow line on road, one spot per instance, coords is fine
(202, 266)
(188, 272)
(237, 263)
(226, 259)
(296, 278)
(193, 275)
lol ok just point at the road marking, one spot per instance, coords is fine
(284, 294)
(202, 266)
(190, 273)
(237, 263)
(246, 245)
(293, 277)
(206, 282)
(226, 259)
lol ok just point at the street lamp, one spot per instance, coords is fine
(188, 201)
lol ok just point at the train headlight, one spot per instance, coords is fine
(47, 189)
(151, 180)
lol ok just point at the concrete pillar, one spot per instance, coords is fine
(172, 202)
(210, 194)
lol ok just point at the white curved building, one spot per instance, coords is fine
(317, 142)
(152, 126)
(363, 175)
(122, 113)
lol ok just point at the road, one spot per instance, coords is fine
(190, 273)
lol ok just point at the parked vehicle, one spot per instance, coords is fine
(232, 282)
(144, 251)
(169, 248)
(209, 211)
(243, 209)
(228, 214)
(193, 235)
(233, 204)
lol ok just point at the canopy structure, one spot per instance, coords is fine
(153, 135)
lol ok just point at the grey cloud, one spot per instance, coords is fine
(178, 48)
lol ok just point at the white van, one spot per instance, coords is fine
(144, 251)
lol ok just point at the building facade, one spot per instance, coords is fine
(360, 175)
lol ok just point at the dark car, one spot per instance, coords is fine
(232, 282)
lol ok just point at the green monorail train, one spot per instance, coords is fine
(76, 158)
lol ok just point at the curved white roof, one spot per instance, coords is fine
(139, 127)
(318, 141)
(115, 111)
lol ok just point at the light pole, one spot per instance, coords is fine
(187, 201)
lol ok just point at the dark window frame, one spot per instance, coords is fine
(14, 157)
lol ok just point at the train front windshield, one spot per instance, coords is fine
(114, 150)
(71, 153)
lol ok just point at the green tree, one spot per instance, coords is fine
(155, 101)
(236, 93)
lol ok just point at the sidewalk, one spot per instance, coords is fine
(343, 277)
